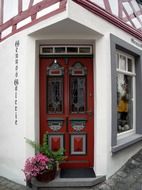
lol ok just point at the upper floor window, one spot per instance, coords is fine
(125, 93)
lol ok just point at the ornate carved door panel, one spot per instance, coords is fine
(66, 108)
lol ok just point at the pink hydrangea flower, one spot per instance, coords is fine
(37, 165)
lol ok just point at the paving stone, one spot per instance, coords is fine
(113, 181)
(136, 186)
(6, 184)
(130, 179)
(122, 174)
(105, 187)
(96, 188)
(3, 188)
(110, 182)
(138, 157)
(17, 187)
(10, 185)
(2, 179)
(127, 170)
(117, 179)
(135, 162)
(140, 179)
(137, 173)
(120, 187)
(131, 165)
(140, 152)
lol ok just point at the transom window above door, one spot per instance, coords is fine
(69, 49)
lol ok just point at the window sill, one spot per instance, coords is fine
(126, 142)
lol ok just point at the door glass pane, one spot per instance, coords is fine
(54, 95)
(124, 102)
(59, 49)
(72, 50)
(47, 50)
(84, 50)
(78, 94)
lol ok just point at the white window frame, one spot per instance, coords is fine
(133, 75)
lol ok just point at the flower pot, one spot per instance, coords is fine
(47, 175)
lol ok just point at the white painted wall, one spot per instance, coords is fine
(10, 9)
(25, 4)
(103, 103)
(13, 149)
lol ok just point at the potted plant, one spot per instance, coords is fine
(41, 167)
(45, 163)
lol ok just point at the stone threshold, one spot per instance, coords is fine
(68, 183)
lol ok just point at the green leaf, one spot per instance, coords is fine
(58, 156)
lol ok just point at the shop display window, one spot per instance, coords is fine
(125, 92)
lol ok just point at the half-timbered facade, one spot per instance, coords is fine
(72, 68)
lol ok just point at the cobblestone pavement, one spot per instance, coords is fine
(6, 184)
(129, 177)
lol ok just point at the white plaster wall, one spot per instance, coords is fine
(10, 9)
(102, 106)
(12, 149)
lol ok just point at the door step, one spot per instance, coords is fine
(68, 183)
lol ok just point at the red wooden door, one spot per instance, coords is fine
(66, 108)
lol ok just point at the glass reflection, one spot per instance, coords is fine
(124, 103)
